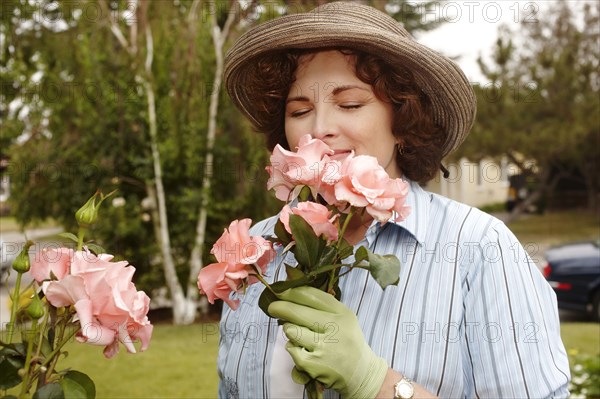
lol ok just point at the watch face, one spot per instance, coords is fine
(404, 389)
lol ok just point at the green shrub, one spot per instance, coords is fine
(585, 376)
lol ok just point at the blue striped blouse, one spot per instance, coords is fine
(472, 316)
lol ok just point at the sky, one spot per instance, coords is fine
(471, 28)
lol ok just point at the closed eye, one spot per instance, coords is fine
(351, 106)
(299, 112)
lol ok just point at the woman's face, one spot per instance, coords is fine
(330, 103)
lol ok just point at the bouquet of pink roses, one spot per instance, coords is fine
(323, 191)
(74, 293)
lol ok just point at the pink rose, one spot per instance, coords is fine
(236, 251)
(237, 246)
(108, 305)
(218, 280)
(365, 184)
(397, 189)
(51, 261)
(316, 215)
(311, 165)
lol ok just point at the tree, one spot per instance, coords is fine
(126, 95)
(141, 81)
(543, 100)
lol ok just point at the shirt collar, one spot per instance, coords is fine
(416, 222)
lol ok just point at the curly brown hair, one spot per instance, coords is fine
(421, 139)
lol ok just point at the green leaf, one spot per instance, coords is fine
(292, 272)
(12, 350)
(345, 249)
(72, 389)
(282, 235)
(321, 282)
(281, 286)
(327, 256)
(69, 236)
(267, 297)
(385, 269)
(9, 374)
(78, 385)
(305, 194)
(95, 248)
(362, 253)
(325, 269)
(50, 391)
(308, 246)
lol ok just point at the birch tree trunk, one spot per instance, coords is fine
(184, 302)
(218, 37)
(184, 310)
(184, 307)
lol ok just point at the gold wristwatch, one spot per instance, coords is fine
(404, 389)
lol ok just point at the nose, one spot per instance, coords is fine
(324, 126)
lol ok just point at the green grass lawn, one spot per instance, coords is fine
(581, 338)
(557, 227)
(180, 363)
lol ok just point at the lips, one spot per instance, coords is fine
(340, 155)
(341, 152)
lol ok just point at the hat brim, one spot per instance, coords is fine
(452, 97)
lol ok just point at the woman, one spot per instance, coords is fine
(471, 315)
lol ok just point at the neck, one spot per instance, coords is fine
(357, 227)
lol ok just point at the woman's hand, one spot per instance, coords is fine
(326, 342)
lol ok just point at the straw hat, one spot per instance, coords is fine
(364, 28)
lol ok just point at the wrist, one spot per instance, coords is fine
(404, 389)
(393, 377)
(373, 381)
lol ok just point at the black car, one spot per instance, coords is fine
(573, 270)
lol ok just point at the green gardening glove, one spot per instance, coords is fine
(326, 342)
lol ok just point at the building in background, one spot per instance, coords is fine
(480, 184)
